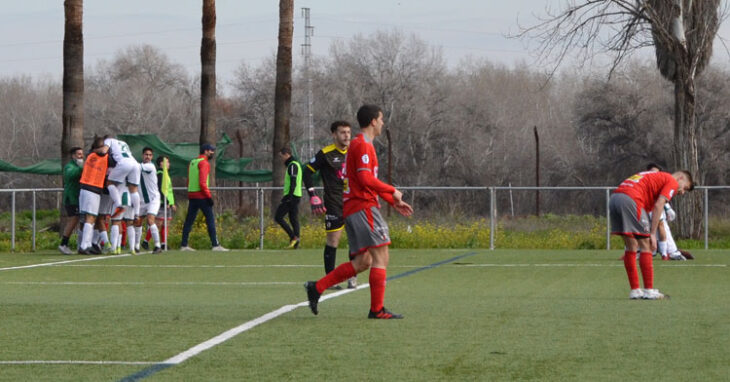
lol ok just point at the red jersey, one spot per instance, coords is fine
(645, 187)
(361, 184)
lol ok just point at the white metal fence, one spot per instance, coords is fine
(491, 193)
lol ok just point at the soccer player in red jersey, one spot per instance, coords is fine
(628, 206)
(367, 231)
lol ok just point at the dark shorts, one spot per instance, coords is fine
(626, 218)
(71, 209)
(333, 223)
(366, 229)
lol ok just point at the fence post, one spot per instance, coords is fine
(34, 226)
(492, 216)
(260, 193)
(707, 218)
(608, 221)
(12, 222)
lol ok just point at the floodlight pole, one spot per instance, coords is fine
(307, 52)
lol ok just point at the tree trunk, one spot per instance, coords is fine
(282, 95)
(207, 80)
(73, 78)
(688, 206)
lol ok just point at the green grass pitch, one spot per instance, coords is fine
(488, 315)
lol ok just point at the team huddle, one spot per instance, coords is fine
(110, 186)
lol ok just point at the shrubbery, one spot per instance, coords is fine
(544, 232)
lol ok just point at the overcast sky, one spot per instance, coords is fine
(31, 31)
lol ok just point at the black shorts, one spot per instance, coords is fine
(333, 223)
(71, 209)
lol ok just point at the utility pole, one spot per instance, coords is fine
(307, 52)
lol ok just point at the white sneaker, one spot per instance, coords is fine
(352, 282)
(219, 248)
(187, 248)
(653, 294)
(677, 256)
(636, 294)
(65, 250)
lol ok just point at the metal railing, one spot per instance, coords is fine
(259, 190)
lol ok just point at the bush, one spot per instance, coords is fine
(243, 232)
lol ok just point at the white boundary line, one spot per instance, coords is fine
(64, 262)
(225, 336)
(621, 265)
(70, 362)
(212, 283)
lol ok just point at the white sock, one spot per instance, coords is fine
(138, 235)
(103, 238)
(95, 237)
(135, 202)
(79, 238)
(662, 248)
(130, 236)
(115, 195)
(155, 234)
(86, 235)
(115, 237)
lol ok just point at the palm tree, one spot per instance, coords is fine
(207, 80)
(73, 78)
(282, 94)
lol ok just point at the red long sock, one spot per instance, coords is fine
(377, 288)
(647, 269)
(148, 236)
(163, 233)
(631, 271)
(343, 272)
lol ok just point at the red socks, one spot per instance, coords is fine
(338, 275)
(377, 288)
(647, 269)
(630, 265)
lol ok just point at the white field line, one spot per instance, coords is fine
(63, 262)
(621, 265)
(74, 362)
(225, 336)
(158, 283)
(678, 264)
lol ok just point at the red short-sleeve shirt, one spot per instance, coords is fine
(645, 187)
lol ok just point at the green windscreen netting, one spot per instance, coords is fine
(180, 155)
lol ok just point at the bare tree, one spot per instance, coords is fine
(208, 80)
(682, 32)
(73, 78)
(282, 93)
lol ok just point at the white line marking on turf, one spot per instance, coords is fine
(193, 266)
(59, 362)
(63, 262)
(683, 265)
(225, 336)
(213, 283)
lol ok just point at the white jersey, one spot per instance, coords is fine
(148, 187)
(119, 150)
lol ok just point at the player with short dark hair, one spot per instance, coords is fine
(289, 204)
(200, 198)
(629, 205)
(71, 188)
(328, 162)
(150, 200)
(367, 231)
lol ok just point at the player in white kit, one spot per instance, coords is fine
(126, 171)
(150, 198)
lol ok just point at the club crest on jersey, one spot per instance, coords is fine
(365, 159)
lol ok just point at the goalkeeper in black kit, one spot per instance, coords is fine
(329, 163)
